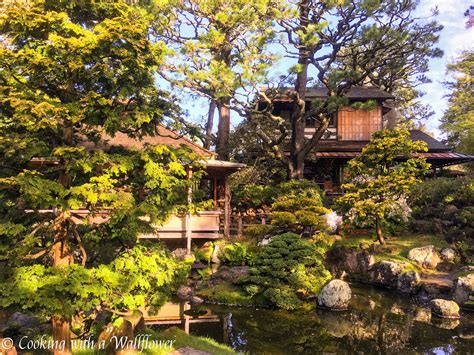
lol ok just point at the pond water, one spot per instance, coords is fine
(378, 321)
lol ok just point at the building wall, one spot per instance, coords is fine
(354, 125)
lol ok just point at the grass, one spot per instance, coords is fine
(175, 336)
(396, 248)
(226, 293)
(181, 340)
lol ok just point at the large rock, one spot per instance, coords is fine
(386, 273)
(449, 255)
(184, 293)
(22, 321)
(422, 315)
(463, 289)
(444, 308)
(182, 254)
(449, 212)
(409, 282)
(215, 255)
(427, 256)
(228, 274)
(350, 260)
(335, 295)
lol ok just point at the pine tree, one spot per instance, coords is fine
(71, 74)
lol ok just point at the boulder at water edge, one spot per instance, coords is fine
(464, 289)
(427, 256)
(335, 295)
(409, 282)
(444, 308)
(386, 273)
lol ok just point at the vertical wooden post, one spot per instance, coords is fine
(187, 222)
(227, 210)
(215, 192)
(239, 225)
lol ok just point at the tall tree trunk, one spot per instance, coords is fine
(223, 134)
(61, 257)
(61, 336)
(298, 120)
(209, 124)
(378, 230)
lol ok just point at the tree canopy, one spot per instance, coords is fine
(458, 120)
(70, 76)
(343, 44)
(381, 177)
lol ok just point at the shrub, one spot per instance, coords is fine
(287, 266)
(229, 294)
(444, 206)
(260, 231)
(297, 207)
(443, 191)
(252, 197)
(236, 254)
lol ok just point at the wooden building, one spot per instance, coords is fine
(204, 225)
(350, 130)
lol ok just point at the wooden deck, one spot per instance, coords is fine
(203, 225)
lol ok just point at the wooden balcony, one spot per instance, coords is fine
(202, 225)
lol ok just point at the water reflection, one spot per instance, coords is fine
(182, 314)
(378, 321)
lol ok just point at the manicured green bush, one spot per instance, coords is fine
(287, 267)
(297, 208)
(259, 231)
(230, 294)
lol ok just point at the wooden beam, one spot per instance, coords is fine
(187, 223)
(227, 210)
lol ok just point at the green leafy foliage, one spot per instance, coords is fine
(287, 267)
(381, 178)
(228, 294)
(141, 276)
(237, 254)
(294, 205)
(458, 120)
(444, 206)
(299, 208)
(73, 76)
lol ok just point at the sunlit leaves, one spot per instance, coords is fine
(382, 176)
(458, 120)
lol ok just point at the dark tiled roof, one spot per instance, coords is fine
(366, 93)
(437, 159)
(433, 144)
(355, 93)
(164, 137)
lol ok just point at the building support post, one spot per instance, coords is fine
(227, 210)
(187, 221)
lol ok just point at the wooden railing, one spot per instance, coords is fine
(240, 222)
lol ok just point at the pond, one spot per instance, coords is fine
(378, 321)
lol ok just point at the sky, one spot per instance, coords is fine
(454, 38)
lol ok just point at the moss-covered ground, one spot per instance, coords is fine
(181, 340)
(396, 248)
